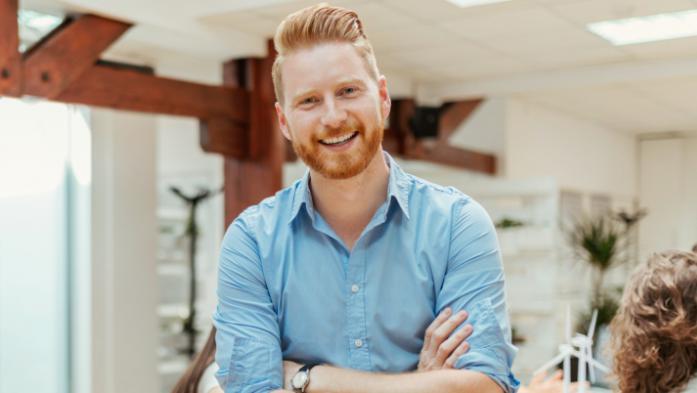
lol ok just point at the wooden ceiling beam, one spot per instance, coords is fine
(455, 114)
(400, 140)
(454, 156)
(10, 58)
(57, 61)
(126, 89)
(64, 66)
(260, 173)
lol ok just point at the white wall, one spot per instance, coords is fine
(668, 189)
(580, 155)
(124, 283)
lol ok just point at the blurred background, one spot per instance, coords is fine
(588, 108)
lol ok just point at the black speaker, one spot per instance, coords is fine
(424, 123)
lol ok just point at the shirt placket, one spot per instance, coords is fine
(358, 345)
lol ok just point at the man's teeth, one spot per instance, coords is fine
(340, 139)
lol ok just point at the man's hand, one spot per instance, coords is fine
(290, 368)
(442, 348)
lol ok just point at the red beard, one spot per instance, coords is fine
(341, 165)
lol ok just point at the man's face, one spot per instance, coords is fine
(333, 111)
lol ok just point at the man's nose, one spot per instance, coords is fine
(333, 116)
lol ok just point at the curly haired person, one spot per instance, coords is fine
(655, 332)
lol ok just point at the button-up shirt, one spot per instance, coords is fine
(289, 288)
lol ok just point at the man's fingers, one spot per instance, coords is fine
(459, 351)
(445, 330)
(557, 376)
(538, 378)
(442, 317)
(447, 348)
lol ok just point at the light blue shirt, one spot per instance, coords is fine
(288, 287)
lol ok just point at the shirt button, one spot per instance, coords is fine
(354, 288)
(358, 343)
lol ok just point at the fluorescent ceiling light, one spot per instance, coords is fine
(647, 28)
(472, 3)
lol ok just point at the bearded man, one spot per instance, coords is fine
(358, 277)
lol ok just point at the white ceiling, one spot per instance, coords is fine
(534, 49)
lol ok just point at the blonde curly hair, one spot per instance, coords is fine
(655, 331)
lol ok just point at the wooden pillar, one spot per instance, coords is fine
(259, 174)
(10, 59)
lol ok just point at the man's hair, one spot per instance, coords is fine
(655, 332)
(315, 25)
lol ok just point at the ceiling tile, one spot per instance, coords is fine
(586, 11)
(543, 42)
(516, 22)
(442, 10)
(575, 57)
(680, 47)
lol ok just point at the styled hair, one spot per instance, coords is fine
(188, 382)
(319, 24)
(655, 331)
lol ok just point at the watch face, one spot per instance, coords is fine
(299, 380)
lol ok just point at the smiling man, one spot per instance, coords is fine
(358, 277)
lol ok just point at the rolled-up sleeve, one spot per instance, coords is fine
(474, 282)
(247, 339)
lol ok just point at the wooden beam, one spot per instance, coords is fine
(131, 90)
(249, 180)
(68, 52)
(455, 114)
(457, 157)
(10, 58)
(440, 151)
(222, 136)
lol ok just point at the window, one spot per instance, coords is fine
(44, 244)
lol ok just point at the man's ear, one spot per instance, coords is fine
(385, 100)
(282, 121)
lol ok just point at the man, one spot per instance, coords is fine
(341, 274)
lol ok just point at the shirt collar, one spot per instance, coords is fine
(397, 189)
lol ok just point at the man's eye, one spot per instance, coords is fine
(349, 91)
(308, 100)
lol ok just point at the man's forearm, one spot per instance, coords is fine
(327, 379)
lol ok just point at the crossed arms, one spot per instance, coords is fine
(442, 347)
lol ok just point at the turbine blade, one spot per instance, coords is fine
(591, 369)
(568, 324)
(594, 320)
(557, 359)
(567, 374)
(599, 366)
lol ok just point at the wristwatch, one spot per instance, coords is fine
(301, 379)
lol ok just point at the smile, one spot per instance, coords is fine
(339, 140)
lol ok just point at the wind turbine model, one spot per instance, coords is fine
(580, 346)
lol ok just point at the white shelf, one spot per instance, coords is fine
(172, 269)
(175, 310)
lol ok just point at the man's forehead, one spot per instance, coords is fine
(320, 65)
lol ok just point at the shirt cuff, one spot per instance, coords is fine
(487, 362)
(254, 367)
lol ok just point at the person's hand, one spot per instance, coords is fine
(554, 384)
(442, 348)
(290, 368)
